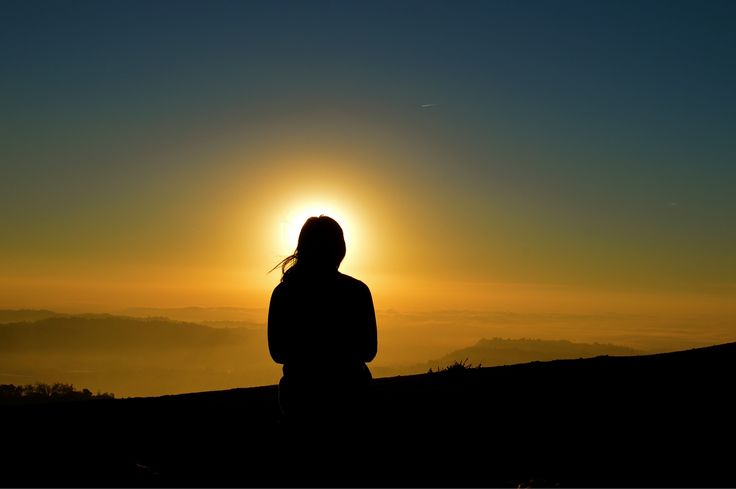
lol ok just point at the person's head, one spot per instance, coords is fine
(321, 247)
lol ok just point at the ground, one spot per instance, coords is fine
(656, 420)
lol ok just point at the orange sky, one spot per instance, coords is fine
(165, 159)
(209, 239)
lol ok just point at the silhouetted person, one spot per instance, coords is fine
(321, 327)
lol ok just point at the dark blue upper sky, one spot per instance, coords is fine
(588, 112)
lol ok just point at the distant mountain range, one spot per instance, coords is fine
(132, 356)
(213, 316)
(105, 333)
(19, 315)
(221, 317)
(136, 356)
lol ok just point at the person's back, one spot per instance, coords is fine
(321, 327)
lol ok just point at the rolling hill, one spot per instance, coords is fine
(133, 356)
(150, 356)
(501, 351)
(20, 315)
(107, 333)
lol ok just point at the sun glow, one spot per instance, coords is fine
(292, 220)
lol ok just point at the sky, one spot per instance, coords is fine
(524, 156)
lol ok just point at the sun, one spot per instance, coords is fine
(293, 218)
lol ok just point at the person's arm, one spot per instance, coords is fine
(371, 331)
(277, 325)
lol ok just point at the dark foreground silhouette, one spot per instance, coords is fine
(657, 420)
(322, 328)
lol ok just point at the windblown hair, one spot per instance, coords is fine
(321, 248)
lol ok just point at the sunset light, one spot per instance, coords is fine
(542, 191)
(291, 221)
(547, 170)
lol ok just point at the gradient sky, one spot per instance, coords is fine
(480, 154)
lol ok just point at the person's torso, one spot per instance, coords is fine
(325, 324)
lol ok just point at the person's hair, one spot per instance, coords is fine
(321, 247)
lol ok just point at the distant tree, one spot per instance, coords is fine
(10, 391)
(62, 390)
(41, 392)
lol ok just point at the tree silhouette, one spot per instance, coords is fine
(40, 392)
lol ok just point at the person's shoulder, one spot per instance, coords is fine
(280, 289)
(352, 282)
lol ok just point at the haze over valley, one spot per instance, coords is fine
(152, 351)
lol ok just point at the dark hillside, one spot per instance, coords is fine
(657, 420)
(500, 351)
